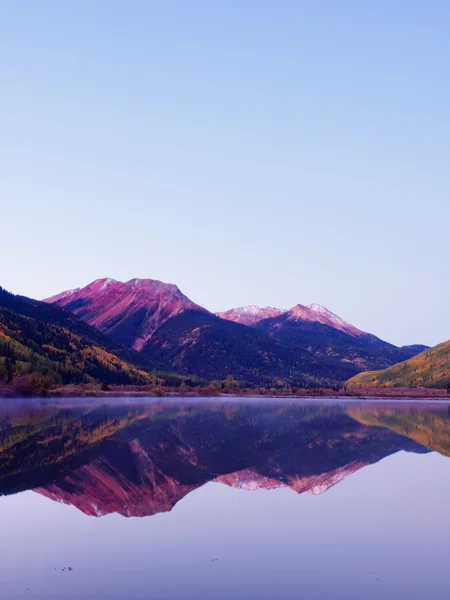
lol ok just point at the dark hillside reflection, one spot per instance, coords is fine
(141, 459)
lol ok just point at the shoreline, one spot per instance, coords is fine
(96, 391)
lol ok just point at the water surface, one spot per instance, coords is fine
(239, 499)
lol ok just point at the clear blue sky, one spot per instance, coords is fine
(249, 151)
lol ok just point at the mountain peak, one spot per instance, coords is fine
(252, 314)
(103, 283)
(129, 311)
(320, 314)
(249, 315)
(318, 308)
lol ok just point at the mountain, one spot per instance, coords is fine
(303, 346)
(169, 329)
(315, 313)
(42, 339)
(141, 459)
(130, 312)
(414, 349)
(324, 334)
(249, 315)
(318, 330)
(430, 368)
(202, 344)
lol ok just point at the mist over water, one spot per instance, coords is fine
(242, 498)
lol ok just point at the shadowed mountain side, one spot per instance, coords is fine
(414, 349)
(38, 338)
(363, 351)
(59, 317)
(202, 344)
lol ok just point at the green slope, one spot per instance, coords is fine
(430, 368)
(46, 341)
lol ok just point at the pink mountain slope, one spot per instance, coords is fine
(250, 315)
(320, 314)
(130, 311)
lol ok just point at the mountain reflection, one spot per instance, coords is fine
(139, 459)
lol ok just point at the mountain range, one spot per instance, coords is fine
(302, 346)
(132, 332)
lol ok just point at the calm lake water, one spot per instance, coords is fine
(224, 499)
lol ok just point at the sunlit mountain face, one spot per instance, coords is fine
(141, 459)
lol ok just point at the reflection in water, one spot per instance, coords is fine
(141, 459)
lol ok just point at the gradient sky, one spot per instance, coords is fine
(251, 152)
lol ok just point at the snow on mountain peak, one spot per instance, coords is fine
(321, 310)
(107, 282)
(317, 312)
(318, 308)
(252, 309)
(249, 315)
(67, 293)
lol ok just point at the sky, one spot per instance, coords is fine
(255, 152)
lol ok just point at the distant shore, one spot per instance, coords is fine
(151, 391)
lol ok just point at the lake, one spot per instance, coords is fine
(201, 499)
